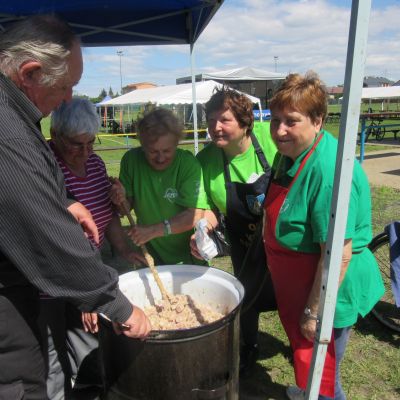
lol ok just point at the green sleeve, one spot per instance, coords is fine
(126, 172)
(320, 207)
(202, 157)
(191, 184)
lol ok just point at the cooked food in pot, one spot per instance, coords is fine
(180, 312)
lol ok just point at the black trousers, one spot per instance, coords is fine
(22, 367)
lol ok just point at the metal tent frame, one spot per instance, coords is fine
(348, 130)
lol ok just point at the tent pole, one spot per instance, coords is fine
(356, 55)
(194, 102)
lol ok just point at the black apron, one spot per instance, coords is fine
(244, 211)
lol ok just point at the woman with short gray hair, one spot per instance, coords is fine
(73, 130)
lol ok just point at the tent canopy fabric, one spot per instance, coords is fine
(386, 92)
(174, 94)
(122, 22)
(244, 74)
(106, 98)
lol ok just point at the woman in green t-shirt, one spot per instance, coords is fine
(297, 214)
(164, 186)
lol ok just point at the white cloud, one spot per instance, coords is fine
(307, 34)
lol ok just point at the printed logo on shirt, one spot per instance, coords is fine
(255, 203)
(171, 194)
(284, 206)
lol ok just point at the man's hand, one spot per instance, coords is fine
(90, 322)
(85, 219)
(136, 326)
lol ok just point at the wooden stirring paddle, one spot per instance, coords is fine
(150, 260)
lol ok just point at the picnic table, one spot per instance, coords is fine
(373, 124)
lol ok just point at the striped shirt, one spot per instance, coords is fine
(41, 244)
(93, 190)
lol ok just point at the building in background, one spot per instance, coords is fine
(137, 86)
(376, 81)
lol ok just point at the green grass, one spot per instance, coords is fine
(385, 207)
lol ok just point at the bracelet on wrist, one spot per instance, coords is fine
(167, 227)
(309, 315)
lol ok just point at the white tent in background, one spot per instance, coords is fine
(174, 94)
(244, 74)
(386, 92)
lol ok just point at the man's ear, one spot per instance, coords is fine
(29, 73)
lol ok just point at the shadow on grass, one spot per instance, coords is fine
(371, 326)
(260, 385)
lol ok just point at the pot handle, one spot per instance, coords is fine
(210, 394)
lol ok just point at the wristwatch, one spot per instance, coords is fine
(310, 315)
(167, 227)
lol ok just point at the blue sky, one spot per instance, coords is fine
(303, 34)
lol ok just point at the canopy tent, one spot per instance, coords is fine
(122, 22)
(171, 95)
(387, 92)
(105, 22)
(174, 94)
(105, 99)
(243, 74)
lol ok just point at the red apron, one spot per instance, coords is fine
(293, 275)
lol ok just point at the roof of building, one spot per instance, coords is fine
(377, 81)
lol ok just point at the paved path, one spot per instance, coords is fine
(383, 167)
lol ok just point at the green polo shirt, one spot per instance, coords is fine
(160, 195)
(304, 218)
(241, 167)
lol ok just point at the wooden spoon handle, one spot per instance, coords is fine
(147, 256)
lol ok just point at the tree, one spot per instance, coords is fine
(110, 92)
(103, 93)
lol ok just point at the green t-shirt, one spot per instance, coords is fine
(304, 218)
(241, 166)
(160, 195)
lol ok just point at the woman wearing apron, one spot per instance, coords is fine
(236, 171)
(296, 223)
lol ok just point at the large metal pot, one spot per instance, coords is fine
(197, 363)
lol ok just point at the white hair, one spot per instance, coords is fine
(43, 38)
(74, 118)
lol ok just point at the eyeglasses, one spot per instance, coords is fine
(76, 146)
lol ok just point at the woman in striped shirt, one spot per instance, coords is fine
(74, 126)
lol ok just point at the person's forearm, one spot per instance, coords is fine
(116, 236)
(346, 258)
(182, 222)
(186, 220)
(313, 298)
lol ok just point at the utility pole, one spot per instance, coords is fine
(276, 63)
(120, 53)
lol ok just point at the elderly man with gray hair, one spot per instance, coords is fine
(42, 244)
